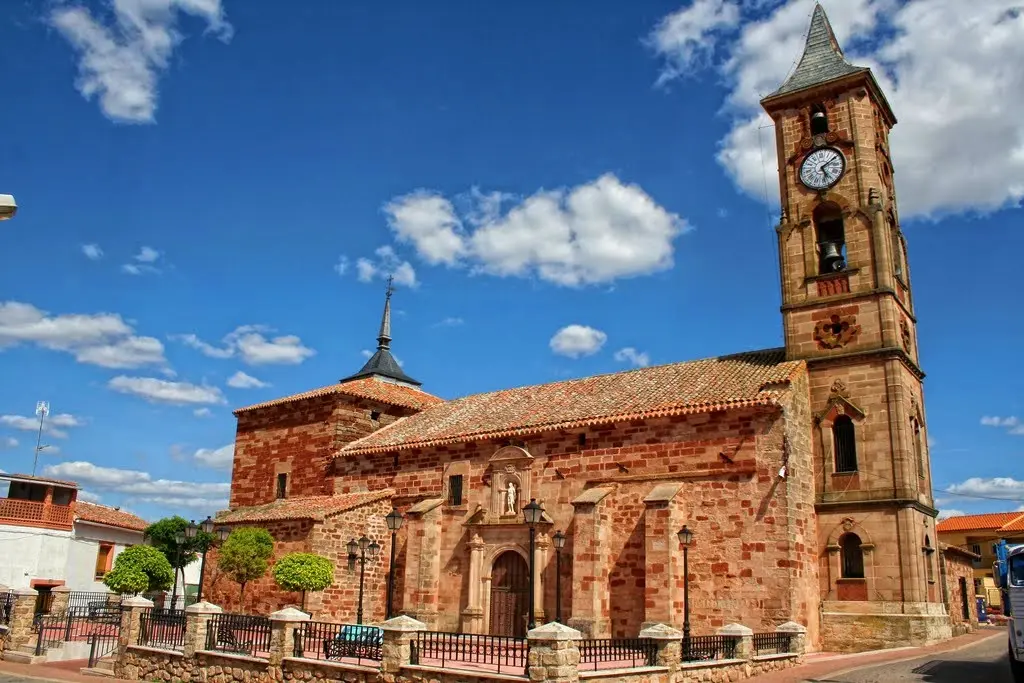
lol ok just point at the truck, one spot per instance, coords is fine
(1008, 571)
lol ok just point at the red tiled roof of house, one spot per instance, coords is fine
(745, 379)
(38, 480)
(947, 548)
(369, 387)
(306, 507)
(102, 514)
(992, 521)
(1015, 524)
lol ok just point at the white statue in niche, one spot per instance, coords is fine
(511, 498)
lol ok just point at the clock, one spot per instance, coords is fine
(822, 168)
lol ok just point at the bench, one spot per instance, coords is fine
(354, 641)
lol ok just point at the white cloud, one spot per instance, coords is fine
(341, 267)
(240, 380)
(945, 513)
(120, 63)
(575, 341)
(219, 458)
(103, 339)
(249, 343)
(592, 233)
(202, 412)
(88, 496)
(54, 425)
(144, 261)
(8, 442)
(162, 391)
(955, 92)
(1005, 488)
(1012, 424)
(92, 252)
(387, 263)
(141, 487)
(147, 255)
(633, 357)
(450, 322)
(686, 37)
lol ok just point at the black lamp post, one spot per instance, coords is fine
(366, 548)
(532, 512)
(394, 520)
(179, 540)
(207, 526)
(559, 540)
(686, 538)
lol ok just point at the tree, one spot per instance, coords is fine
(139, 569)
(303, 572)
(162, 536)
(244, 556)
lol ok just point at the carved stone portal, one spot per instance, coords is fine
(510, 469)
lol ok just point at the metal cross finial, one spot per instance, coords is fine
(391, 289)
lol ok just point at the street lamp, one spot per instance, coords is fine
(559, 540)
(179, 540)
(191, 531)
(8, 207)
(366, 548)
(533, 513)
(394, 520)
(686, 538)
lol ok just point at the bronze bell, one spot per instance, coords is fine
(831, 257)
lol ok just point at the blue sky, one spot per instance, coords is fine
(213, 187)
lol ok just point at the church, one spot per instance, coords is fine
(801, 473)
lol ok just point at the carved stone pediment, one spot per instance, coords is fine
(511, 482)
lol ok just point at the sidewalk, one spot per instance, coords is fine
(52, 671)
(822, 664)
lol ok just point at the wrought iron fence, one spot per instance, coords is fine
(239, 634)
(6, 607)
(704, 648)
(100, 645)
(83, 600)
(351, 642)
(162, 628)
(55, 629)
(618, 653)
(490, 653)
(772, 643)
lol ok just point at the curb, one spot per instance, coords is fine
(900, 660)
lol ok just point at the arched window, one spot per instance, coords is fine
(845, 444)
(828, 225)
(853, 556)
(918, 446)
(819, 120)
(929, 566)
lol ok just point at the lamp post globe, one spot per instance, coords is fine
(394, 521)
(207, 525)
(192, 529)
(223, 533)
(686, 539)
(532, 513)
(373, 549)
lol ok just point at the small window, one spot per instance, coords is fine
(976, 549)
(853, 557)
(929, 564)
(282, 485)
(374, 415)
(455, 490)
(845, 444)
(103, 558)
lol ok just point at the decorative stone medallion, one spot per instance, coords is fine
(836, 332)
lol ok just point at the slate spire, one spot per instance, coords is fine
(822, 60)
(382, 364)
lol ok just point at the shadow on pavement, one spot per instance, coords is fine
(953, 671)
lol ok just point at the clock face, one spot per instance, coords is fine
(822, 168)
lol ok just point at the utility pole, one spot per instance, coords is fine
(42, 410)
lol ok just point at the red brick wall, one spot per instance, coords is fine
(300, 438)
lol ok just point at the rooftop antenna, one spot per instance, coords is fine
(42, 410)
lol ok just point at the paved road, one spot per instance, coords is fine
(984, 662)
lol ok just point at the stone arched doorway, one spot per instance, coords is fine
(510, 595)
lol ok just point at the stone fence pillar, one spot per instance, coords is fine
(22, 613)
(670, 646)
(197, 619)
(131, 616)
(61, 598)
(554, 654)
(282, 636)
(744, 639)
(798, 633)
(396, 649)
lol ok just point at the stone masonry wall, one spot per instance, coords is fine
(299, 438)
(752, 530)
(958, 566)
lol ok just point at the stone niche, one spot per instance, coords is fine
(511, 484)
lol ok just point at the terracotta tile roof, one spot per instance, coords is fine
(745, 379)
(1015, 524)
(368, 387)
(992, 521)
(102, 514)
(947, 548)
(38, 480)
(307, 507)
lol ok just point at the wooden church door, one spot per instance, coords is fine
(510, 595)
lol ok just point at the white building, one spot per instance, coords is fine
(49, 538)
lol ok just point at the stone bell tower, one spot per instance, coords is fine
(848, 310)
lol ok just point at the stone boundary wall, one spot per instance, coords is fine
(554, 655)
